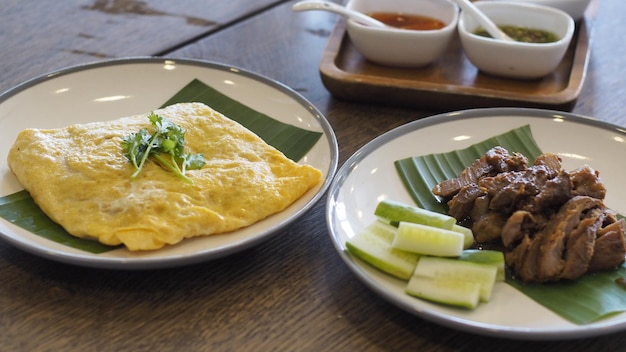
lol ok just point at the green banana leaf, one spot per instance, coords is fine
(293, 141)
(586, 300)
(589, 299)
(20, 209)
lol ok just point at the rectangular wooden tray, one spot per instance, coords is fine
(453, 82)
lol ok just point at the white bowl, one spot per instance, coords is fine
(516, 59)
(574, 8)
(403, 47)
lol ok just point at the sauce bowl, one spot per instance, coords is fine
(391, 46)
(574, 8)
(517, 60)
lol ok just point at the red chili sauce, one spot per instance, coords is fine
(405, 21)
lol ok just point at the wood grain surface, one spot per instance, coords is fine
(290, 293)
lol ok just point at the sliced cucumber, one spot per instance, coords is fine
(467, 232)
(396, 212)
(485, 256)
(373, 245)
(455, 292)
(458, 270)
(428, 240)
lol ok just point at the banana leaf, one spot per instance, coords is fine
(589, 299)
(586, 300)
(20, 209)
(293, 141)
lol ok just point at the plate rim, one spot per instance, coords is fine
(491, 330)
(125, 263)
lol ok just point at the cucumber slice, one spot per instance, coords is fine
(486, 256)
(469, 235)
(396, 212)
(454, 292)
(428, 240)
(373, 245)
(458, 270)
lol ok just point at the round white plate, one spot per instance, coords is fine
(369, 176)
(118, 88)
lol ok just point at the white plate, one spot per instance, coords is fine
(369, 176)
(117, 88)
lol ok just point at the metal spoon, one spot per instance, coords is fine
(484, 21)
(331, 7)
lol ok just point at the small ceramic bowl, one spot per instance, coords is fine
(574, 8)
(403, 47)
(516, 59)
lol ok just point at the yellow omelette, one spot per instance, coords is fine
(80, 177)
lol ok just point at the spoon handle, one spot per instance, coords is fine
(308, 5)
(484, 21)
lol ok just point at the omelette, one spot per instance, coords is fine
(80, 177)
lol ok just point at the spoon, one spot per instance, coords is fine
(484, 21)
(331, 7)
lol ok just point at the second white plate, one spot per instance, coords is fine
(369, 176)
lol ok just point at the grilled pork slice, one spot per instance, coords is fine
(563, 248)
(609, 247)
(495, 161)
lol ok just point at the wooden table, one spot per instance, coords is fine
(291, 293)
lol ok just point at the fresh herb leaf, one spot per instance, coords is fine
(134, 146)
(193, 162)
(166, 146)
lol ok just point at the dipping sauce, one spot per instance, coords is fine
(523, 34)
(405, 21)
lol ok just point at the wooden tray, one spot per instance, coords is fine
(453, 82)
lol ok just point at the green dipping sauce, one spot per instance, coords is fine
(523, 34)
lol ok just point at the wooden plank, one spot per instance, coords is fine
(40, 36)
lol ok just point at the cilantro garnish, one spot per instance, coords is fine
(166, 146)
